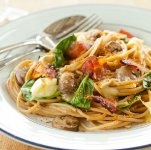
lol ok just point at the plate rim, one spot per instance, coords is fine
(22, 140)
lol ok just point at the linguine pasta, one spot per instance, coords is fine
(96, 80)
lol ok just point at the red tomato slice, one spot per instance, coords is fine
(88, 66)
(94, 67)
(129, 35)
(76, 49)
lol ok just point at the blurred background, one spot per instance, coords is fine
(13, 9)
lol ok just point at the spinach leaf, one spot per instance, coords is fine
(125, 40)
(60, 49)
(147, 81)
(81, 98)
(26, 89)
(129, 102)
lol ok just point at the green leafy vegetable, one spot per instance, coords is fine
(26, 89)
(147, 81)
(39, 57)
(81, 97)
(60, 49)
(125, 40)
(129, 102)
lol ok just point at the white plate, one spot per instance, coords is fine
(19, 127)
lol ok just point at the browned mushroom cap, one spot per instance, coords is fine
(67, 83)
(69, 123)
(126, 73)
(20, 74)
(112, 46)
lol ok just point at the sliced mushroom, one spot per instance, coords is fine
(20, 74)
(112, 47)
(67, 83)
(66, 123)
(126, 73)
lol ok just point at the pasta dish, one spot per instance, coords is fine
(91, 81)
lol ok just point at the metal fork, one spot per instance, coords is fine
(46, 41)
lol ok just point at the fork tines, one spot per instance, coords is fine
(90, 22)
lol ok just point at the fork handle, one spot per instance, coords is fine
(17, 45)
(11, 59)
(5, 60)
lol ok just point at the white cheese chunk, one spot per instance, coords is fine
(44, 87)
